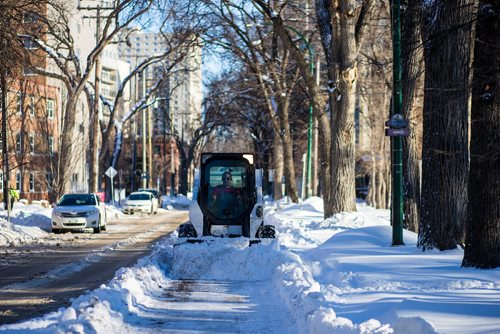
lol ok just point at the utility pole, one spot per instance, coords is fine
(165, 109)
(150, 148)
(95, 123)
(134, 138)
(397, 141)
(96, 134)
(5, 154)
(172, 154)
(144, 162)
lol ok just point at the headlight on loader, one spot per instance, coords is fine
(259, 211)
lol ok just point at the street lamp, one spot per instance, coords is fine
(172, 154)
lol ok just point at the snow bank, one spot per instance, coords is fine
(339, 275)
(27, 224)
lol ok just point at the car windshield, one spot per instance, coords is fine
(139, 197)
(154, 192)
(77, 199)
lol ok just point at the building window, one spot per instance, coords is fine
(50, 108)
(19, 180)
(32, 182)
(29, 72)
(32, 105)
(19, 102)
(51, 144)
(19, 143)
(30, 17)
(49, 178)
(74, 181)
(30, 43)
(32, 143)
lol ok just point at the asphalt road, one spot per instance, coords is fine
(41, 278)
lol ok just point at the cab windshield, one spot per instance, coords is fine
(227, 192)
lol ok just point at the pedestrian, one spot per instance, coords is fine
(14, 196)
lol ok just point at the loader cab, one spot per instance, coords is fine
(227, 194)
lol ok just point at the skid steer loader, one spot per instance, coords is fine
(227, 199)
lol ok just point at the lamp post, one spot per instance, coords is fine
(172, 154)
(397, 141)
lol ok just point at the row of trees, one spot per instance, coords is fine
(450, 74)
(56, 41)
(270, 48)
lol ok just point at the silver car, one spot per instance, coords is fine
(142, 202)
(79, 212)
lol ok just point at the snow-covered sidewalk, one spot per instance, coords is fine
(339, 275)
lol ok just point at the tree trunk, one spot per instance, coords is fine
(66, 139)
(277, 165)
(482, 247)
(446, 105)
(342, 121)
(289, 166)
(412, 85)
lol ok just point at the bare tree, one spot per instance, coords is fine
(446, 115)
(342, 28)
(375, 89)
(483, 209)
(17, 17)
(74, 73)
(412, 82)
(257, 47)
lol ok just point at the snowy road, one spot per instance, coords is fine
(43, 276)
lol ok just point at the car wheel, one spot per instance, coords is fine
(98, 228)
(56, 230)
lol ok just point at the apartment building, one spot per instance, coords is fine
(32, 105)
(179, 99)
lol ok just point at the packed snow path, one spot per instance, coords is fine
(213, 307)
(43, 276)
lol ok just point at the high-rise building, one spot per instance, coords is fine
(178, 99)
(183, 89)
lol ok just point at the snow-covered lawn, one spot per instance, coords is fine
(339, 275)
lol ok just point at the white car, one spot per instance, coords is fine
(140, 201)
(79, 212)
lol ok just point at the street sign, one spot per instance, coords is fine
(404, 132)
(397, 121)
(111, 172)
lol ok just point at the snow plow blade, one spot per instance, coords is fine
(182, 241)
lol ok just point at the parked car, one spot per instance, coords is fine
(140, 201)
(79, 212)
(155, 193)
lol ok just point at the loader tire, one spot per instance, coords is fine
(187, 231)
(266, 232)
